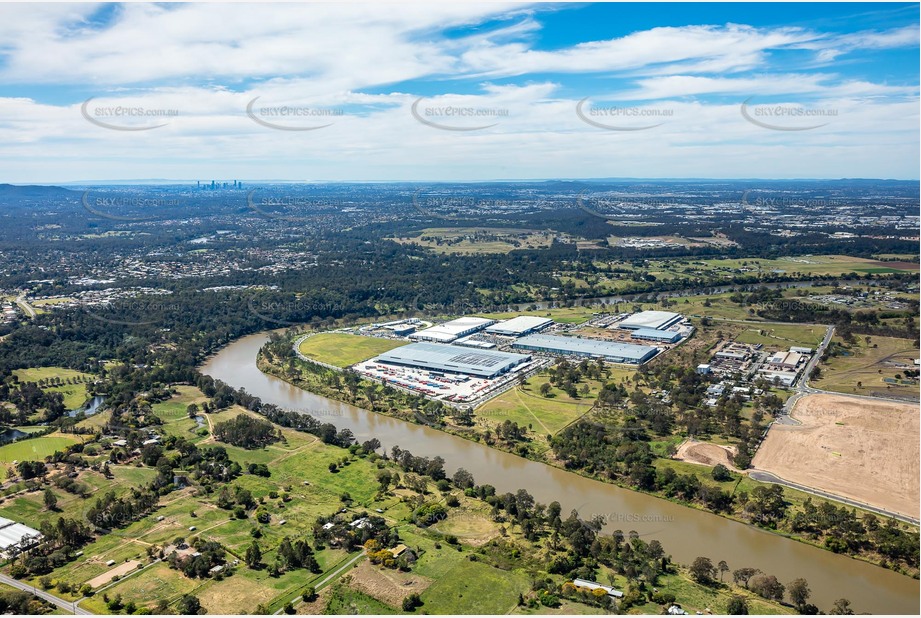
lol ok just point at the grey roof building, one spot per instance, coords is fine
(453, 359)
(608, 350)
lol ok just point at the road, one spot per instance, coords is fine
(21, 301)
(802, 389)
(768, 477)
(69, 606)
(326, 579)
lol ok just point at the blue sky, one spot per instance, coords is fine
(450, 91)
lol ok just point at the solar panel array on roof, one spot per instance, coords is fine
(439, 357)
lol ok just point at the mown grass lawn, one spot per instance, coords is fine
(36, 449)
(527, 407)
(475, 588)
(343, 349)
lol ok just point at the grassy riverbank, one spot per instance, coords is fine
(406, 408)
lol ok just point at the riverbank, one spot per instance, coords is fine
(739, 485)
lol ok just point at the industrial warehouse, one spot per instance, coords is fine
(468, 360)
(519, 326)
(449, 331)
(449, 373)
(451, 359)
(610, 351)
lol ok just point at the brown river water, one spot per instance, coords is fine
(684, 532)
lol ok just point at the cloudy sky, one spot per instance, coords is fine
(451, 91)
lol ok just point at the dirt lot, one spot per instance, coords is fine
(706, 454)
(861, 449)
(387, 585)
(105, 578)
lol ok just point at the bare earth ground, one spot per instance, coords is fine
(105, 578)
(706, 454)
(860, 449)
(387, 585)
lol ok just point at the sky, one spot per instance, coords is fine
(458, 91)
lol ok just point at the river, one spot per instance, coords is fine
(684, 532)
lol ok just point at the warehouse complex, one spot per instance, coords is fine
(519, 326)
(452, 359)
(610, 351)
(651, 334)
(449, 331)
(654, 320)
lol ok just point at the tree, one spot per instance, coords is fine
(723, 566)
(253, 556)
(545, 389)
(190, 605)
(51, 501)
(743, 575)
(767, 586)
(310, 594)
(799, 592)
(737, 606)
(411, 602)
(842, 608)
(721, 473)
(702, 570)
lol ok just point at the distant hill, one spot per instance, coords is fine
(8, 191)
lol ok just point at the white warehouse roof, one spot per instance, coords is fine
(449, 331)
(519, 325)
(657, 320)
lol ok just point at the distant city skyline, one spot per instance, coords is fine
(457, 92)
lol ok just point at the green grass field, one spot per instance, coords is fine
(869, 366)
(342, 349)
(478, 240)
(474, 588)
(75, 395)
(35, 449)
(783, 335)
(527, 407)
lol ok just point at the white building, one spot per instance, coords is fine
(449, 331)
